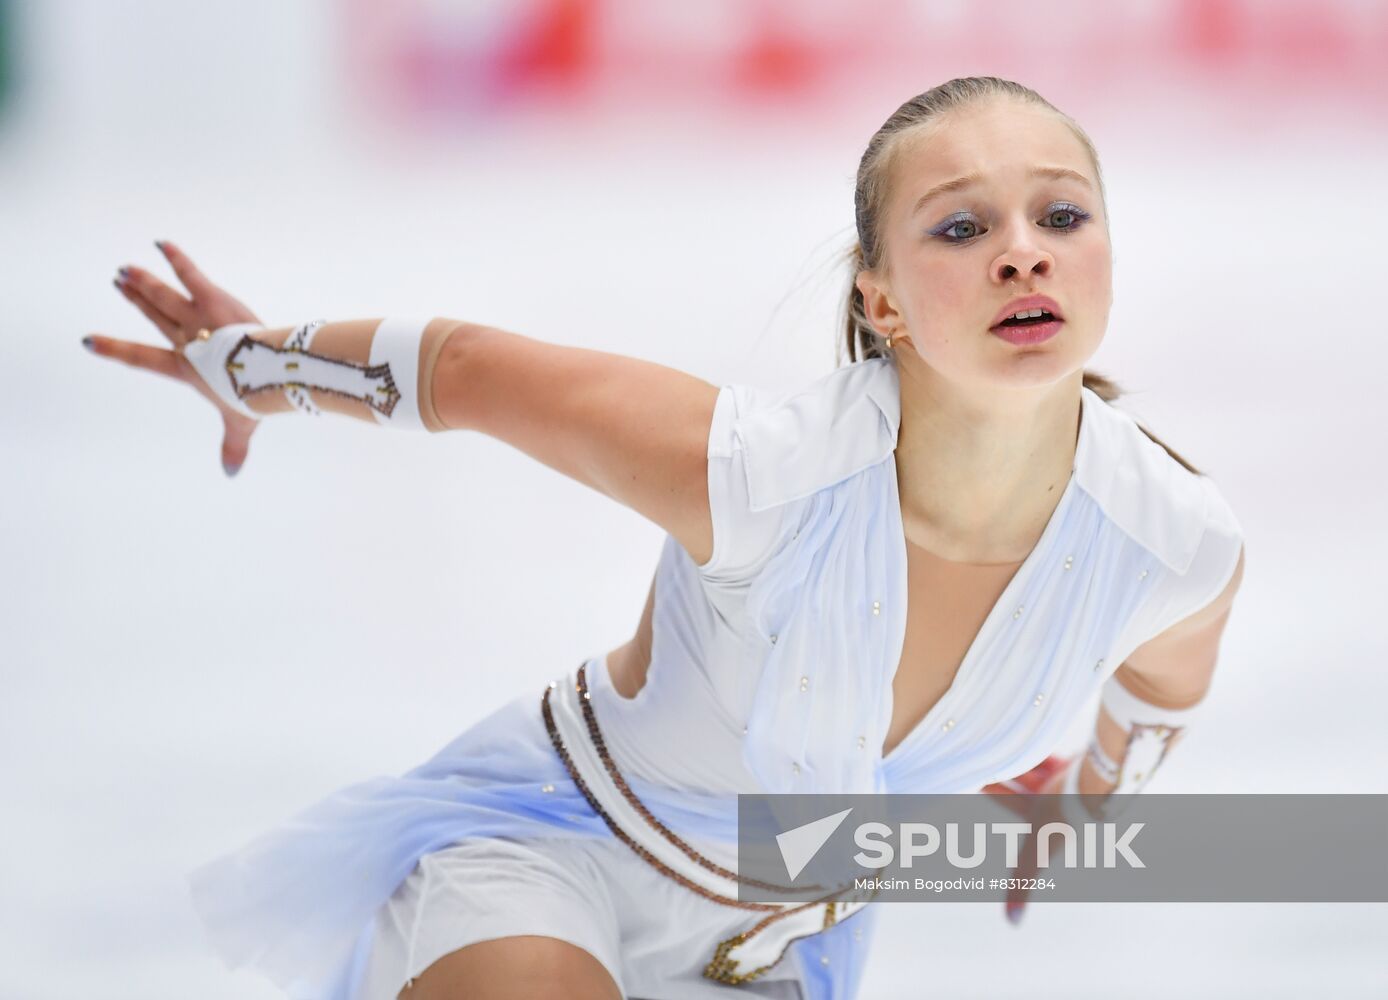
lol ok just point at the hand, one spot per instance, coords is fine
(1046, 778)
(179, 318)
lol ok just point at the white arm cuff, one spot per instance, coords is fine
(1128, 710)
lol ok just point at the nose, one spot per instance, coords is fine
(1022, 257)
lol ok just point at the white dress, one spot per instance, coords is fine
(771, 671)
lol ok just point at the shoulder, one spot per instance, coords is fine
(795, 443)
(1180, 517)
(1169, 510)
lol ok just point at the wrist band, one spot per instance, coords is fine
(395, 347)
(1151, 729)
(1128, 710)
(208, 356)
(1104, 764)
(301, 340)
(1072, 807)
(234, 365)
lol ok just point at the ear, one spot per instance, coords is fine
(881, 311)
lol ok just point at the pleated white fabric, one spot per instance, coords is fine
(771, 671)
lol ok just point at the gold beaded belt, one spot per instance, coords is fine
(574, 731)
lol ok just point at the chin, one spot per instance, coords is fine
(1032, 367)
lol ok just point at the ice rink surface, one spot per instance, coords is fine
(189, 660)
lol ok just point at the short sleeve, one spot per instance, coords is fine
(1181, 595)
(743, 540)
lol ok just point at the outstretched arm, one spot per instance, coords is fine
(633, 430)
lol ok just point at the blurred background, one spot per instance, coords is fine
(189, 660)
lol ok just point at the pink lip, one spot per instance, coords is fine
(1030, 302)
(1028, 334)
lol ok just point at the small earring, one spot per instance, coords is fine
(889, 341)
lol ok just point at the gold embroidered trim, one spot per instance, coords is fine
(722, 967)
(595, 733)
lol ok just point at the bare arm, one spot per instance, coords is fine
(633, 430)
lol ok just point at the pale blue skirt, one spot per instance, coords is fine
(299, 904)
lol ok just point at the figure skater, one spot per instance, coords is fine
(907, 576)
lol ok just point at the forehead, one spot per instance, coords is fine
(1001, 140)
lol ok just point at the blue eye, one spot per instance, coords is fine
(1065, 208)
(959, 219)
(1077, 215)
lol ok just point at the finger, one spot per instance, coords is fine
(167, 325)
(159, 360)
(193, 279)
(236, 442)
(1027, 868)
(167, 300)
(1014, 910)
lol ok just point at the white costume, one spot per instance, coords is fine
(771, 671)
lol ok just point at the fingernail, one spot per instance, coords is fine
(89, 344)
(119, 286)
(230, 470)
(1014, 914)
(160, 245)
(124, 272)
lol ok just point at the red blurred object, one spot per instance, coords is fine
(1030, 783)
(1016, 794)
(490, 55)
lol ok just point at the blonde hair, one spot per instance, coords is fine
(871, 193)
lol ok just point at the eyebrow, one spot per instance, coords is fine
(1055, 173)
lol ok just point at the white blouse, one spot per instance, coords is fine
(772, 663)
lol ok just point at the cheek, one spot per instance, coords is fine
(1097, 270)
(940, 298)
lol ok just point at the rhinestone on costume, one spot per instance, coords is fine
(862, 742)
(1142, 575)
(1099, 666)
(1038, 699)
(547, 788)
(804, 684)
(744, 730)
(877, 607)
(795, 767)
(823, 959)
(773, 639)
(1018, 612)
(949, 724)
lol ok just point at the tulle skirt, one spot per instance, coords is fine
(319, 905)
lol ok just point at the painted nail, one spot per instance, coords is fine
(124, 272)
(119, 286)
(89, 344)
(230, 470)
(160, 245)
(1014, 913)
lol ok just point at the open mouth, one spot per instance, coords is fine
(1034, 317)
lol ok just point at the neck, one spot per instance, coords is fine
(980, 478)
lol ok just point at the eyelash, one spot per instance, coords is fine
(942, 230)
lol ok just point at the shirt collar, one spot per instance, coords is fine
(849, 419)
